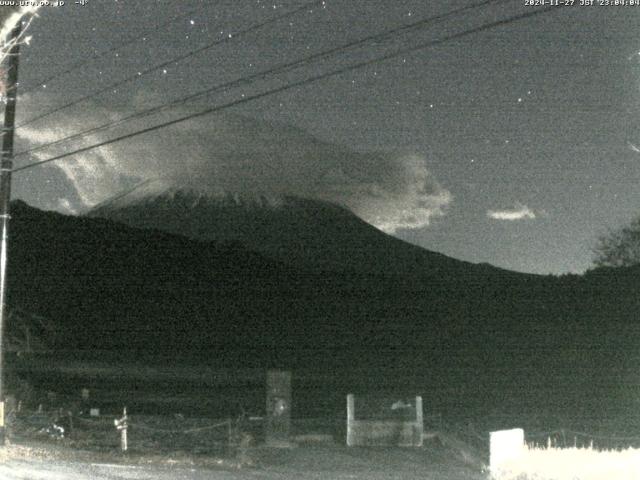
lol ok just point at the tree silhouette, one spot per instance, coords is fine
(620, 247)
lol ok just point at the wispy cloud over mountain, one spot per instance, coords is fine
(246, 157)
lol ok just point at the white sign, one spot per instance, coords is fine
(507, 447)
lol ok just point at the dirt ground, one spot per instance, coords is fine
(437, 461)
(91, 450)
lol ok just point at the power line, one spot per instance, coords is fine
(300, 83)
(270, 71)
(155, 68)
(126, 43)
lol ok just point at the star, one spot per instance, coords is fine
(466, 119)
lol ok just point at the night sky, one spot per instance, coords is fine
(515, 146)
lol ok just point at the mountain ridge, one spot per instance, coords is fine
(303, 232)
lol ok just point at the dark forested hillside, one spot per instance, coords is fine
(114, 288)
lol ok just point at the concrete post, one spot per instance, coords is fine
(278, 424)
(350, 419)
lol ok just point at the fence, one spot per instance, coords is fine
(384, 421)
(136, 433)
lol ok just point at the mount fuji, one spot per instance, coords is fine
(305, 233)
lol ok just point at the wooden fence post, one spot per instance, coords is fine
(122, 424)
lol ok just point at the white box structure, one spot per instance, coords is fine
(390, 425)
(506, 448)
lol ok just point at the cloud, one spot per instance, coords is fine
(246, 157)
(65, 205)
(519, 212)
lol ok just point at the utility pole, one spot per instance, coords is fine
(6, 166)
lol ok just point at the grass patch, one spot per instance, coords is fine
(552, 463)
